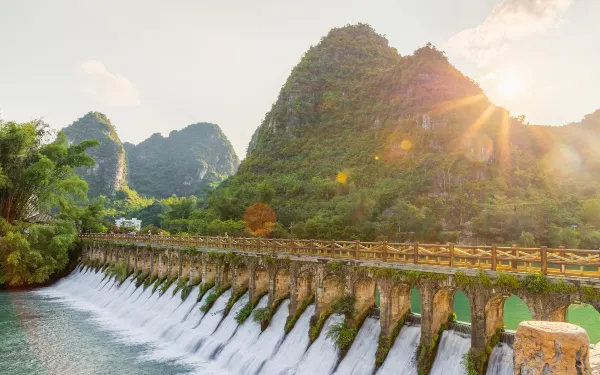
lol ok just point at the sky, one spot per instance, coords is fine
(153, 66)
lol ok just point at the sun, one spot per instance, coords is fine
(510, 84)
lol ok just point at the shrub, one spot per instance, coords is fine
(289, 325)
(212, 298)
(345, 306)
(342, 335)
(243, 314)
(262, 316)
(164, 287)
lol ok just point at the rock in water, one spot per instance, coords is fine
(544, 348)
(595, 359)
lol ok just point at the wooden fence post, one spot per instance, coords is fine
(333, 248)
(292, 246)
(514, 263)
(451, 259)
(311, 247)
(544, 260)
(416, 254)
(563, 268)
(357, 249)
(494, 257)
(384, 251)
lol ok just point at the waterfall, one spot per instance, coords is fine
(501, 361)
(361, 356)
(292, 349)
(215, 343)
(177, 331)
(230, 356)
(252, 354)
(208, 323)
(453, 346)
(322, 355)
(401, 358)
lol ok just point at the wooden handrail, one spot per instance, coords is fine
(561, 261)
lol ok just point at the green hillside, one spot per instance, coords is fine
(184, 163)
(365, 143)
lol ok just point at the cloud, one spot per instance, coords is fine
(108, 88)
(510, 21)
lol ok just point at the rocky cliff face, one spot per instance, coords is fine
(110, 172)
(184, 163)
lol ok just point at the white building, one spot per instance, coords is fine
(132, 223)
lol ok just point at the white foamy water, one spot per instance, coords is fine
(215, 342)
(322, 355)
(176, 331)
(244, 336)
(453, 346)
(501, 361)
(360, 358)
(291, 351)
(401, 358)
(249, 357)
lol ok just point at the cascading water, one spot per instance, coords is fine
(453, 346)
(361, 356)
(322, 355)
(244, 336)
(401, 358)
(292, 349)
(177, 332)
(213, 344)
(501, 361)
(249, 357)
(195, 338)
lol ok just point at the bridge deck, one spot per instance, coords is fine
(574, 264)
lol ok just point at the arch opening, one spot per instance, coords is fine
(515, 312)
(462, 307)
(587, 317)
(415, 301)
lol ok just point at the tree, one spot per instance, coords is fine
(590, 212)
(527, 240)
(37, 175)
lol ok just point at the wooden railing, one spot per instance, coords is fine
(561, 261)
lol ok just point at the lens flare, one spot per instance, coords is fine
(406, 144)
(260, 219)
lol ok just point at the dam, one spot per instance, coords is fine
(264, 312)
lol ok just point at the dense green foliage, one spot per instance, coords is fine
(342, 335)
(110, 172)
(243, 313)
(212, 298)
(363, 143)
(37, 176)
(185, 163)
(262, 316)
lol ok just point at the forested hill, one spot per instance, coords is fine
(110, 172)
(365, 143)
(184, 163)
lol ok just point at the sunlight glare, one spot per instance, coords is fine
(510, 84)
